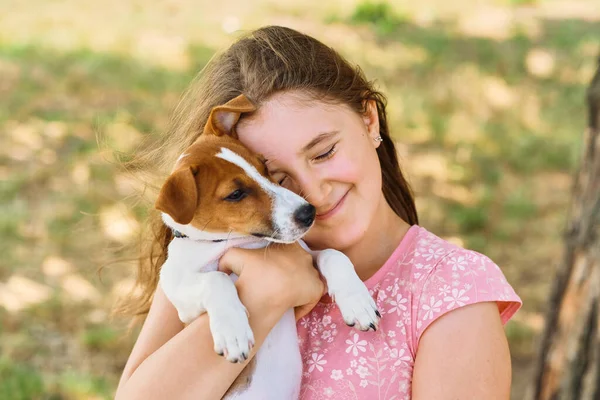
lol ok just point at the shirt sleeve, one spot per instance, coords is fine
(461, 278)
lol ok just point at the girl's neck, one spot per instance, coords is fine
(379, 242)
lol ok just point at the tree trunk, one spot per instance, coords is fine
(568, 365)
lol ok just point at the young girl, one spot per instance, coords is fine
(322, 128)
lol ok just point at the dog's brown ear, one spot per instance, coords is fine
(179, 195)
(223, 118)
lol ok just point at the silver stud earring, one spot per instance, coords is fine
(378, 139)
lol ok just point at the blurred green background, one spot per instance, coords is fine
(486, 100)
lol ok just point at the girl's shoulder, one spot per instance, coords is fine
(436, 276)
(416, 255)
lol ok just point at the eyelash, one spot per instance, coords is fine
(327, 154)
(321, 157)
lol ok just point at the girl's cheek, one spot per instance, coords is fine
(343, 170)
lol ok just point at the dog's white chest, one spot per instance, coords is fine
(278, 372)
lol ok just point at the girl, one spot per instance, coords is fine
(322, 128)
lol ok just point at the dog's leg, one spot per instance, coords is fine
(347, 290)
(194, 293)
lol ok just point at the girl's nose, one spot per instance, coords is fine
(316, 191)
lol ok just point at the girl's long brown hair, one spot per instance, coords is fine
(269, 60)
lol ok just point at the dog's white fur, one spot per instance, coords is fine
(190, 280)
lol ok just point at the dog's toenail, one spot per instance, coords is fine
(373, 326)
(350, 323)
(377, 313)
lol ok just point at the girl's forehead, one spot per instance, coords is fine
(284, 124)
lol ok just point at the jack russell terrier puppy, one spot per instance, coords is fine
(218, 196)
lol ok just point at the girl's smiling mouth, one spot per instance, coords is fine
(334, 210)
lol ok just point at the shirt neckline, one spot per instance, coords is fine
(406, 241)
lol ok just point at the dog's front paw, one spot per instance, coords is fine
(231, 331)
(357, 306)
(347, 290)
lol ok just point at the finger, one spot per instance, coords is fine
(324, 285)
(231, 261)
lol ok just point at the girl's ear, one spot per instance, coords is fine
(371, 120)
(223, 118)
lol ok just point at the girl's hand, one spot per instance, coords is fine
(283, 275)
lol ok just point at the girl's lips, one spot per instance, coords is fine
(334, 210)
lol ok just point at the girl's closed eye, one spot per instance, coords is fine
(321, 157)
(328, 154)
(279, 178)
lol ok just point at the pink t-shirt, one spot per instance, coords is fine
(424, 278)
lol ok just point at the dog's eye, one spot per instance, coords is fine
(236, 195)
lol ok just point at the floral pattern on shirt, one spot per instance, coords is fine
(425, 278)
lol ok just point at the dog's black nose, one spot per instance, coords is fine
(305, 215)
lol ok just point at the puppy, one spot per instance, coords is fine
(218, 196)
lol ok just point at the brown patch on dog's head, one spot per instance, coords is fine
(222, 119)
(215, 195)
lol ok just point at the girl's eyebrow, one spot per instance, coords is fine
(318, 139)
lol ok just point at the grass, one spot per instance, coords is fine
(509, 140)
(19, 382)
(100, 338)
(83, 386)
(378, 15)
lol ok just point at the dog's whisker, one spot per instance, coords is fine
(276, 232)
(269, 244)
(205, 225)
(228, 236)
(302, 194)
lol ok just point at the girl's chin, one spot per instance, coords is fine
(339, 238)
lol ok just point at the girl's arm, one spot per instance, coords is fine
(464, 355)
(173, 362)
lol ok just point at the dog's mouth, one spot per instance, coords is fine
(287, 237)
